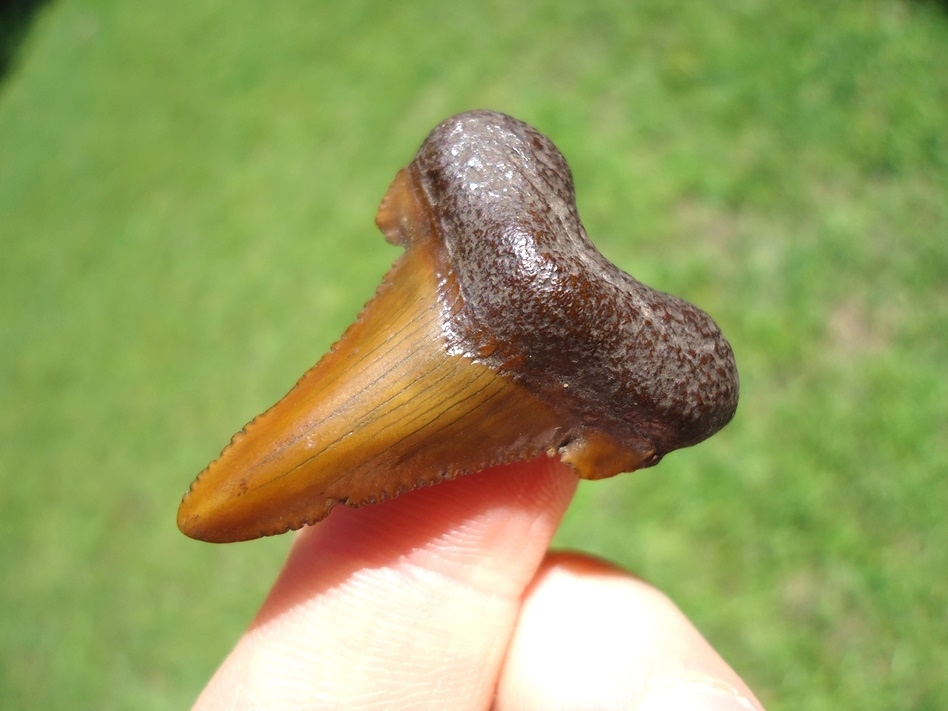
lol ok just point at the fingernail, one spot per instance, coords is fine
(695, 696)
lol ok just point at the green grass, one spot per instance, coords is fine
(187, 192)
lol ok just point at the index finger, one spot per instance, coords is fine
(411, 602)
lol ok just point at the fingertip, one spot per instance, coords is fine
(592, 636)
(695, 695)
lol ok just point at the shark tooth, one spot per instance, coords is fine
(499, 335)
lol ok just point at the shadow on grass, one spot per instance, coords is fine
(940, 4)
(15, 19)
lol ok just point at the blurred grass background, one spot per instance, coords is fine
(187, 192)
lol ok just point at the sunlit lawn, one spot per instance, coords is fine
(187, 192)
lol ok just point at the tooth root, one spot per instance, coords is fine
(386, 411)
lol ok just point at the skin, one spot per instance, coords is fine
(450, 598)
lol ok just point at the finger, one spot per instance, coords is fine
(409, 604)
(593, 637)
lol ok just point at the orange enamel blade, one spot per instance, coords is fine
(389, 409)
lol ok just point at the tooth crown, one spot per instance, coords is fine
(544, 304)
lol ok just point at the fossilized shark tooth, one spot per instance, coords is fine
(501, 334)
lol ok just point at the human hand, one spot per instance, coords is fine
(448, 598)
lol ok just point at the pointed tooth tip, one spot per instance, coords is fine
(213, 519)
(191, 523)
(196, 517)
(207, 511)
